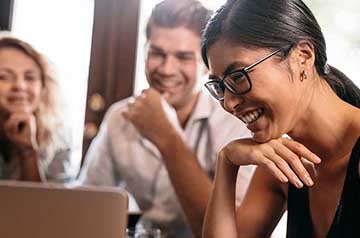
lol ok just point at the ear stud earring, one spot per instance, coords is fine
(303, 76)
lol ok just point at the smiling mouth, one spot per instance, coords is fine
(168, 85)
(17, 100)
(251, 116)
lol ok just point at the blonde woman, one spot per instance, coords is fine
(32, 142)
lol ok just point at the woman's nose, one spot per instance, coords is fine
(231, 101)
(19, 83)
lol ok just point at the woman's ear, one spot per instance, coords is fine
(304, 55)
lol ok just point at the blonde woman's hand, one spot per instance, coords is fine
(286, 159)
(21, 129)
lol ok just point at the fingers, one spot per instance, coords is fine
(271, 166)
(286, 156)
(290, 173)
(294, 154)
(283, 157)
(129, 109)
(20, 128)
(16, 124)
(276, 163)
(295, 170)
(136, 105)
(149, 99)
(300, 150)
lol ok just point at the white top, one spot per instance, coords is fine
(55, 165)
(119, 156)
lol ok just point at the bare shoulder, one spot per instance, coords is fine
(358, 132)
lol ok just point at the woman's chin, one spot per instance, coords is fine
(21, 109)
(261, 136)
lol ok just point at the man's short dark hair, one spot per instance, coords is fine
(177, 13)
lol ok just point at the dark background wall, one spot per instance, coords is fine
(6, 9)
(113, 59)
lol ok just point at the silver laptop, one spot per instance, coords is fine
(52, 211)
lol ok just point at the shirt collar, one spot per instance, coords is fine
(204, 106)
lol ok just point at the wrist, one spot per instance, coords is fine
(30, 168)
(226, 164)
(27, 152)
(168, 140)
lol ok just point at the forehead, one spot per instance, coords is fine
(174, 39)
(224, 53)
(14, 58)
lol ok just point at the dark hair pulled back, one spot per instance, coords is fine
(273, 25)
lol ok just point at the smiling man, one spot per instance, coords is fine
(162, 145)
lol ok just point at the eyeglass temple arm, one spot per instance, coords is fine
(262, 60)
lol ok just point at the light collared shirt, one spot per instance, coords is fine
(120, 156)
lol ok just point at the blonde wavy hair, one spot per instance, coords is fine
(47, 114)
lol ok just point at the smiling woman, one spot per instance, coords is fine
(33, 146)
(293, 91)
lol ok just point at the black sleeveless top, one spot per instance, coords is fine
(346, 222)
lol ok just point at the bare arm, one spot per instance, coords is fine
(279, 162)
(30, 169)
(191, 184)
(21, 129)
(259, 212)
(220, 214)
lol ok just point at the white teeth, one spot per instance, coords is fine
(251, 116)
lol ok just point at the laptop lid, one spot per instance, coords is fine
(52, 211)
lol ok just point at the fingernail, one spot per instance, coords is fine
(318, 160)
(298, 183)
(309, 181)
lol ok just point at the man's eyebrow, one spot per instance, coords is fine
(179, 52)
(185, 52)
(154, 47)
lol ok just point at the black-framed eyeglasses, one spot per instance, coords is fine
(237, 82)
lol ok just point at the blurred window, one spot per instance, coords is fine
(62, 31)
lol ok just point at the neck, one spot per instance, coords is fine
(329, 127)
(184, 111)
